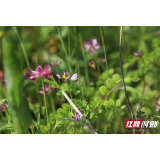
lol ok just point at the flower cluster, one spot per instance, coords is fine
(46, 89)
(139, 54)
(39, 72)
(93, 46)
(76, 117)
(4, 106)
(25, 75)
(66, 76)
(56, 63)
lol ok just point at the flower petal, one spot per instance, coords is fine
(46, 67)
(39, 69)
(135, 54)
(52, 64)
(58, 63)
(41, 91)
(74, 77)
(33, 78)
(76, 115)
(74, 118)
(25, 76)
(93, 50)
(94, 42)
(53, 89)
(6, 103)
(48, 77)
(97, 46)
(59, 76)
(67, 74)
(46, 87)
(157, 104)
(87, 45)
(46, 73)
(33, 73)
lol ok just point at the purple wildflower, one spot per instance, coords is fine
(139, 54)
(93, 46)
(39, 72)
(56, 63)
(66, 76)
(25, 75)
(46, 89)
(76, 116)
(4, 106)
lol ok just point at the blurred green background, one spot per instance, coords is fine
(43, 45)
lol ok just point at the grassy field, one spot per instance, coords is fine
(76, 80)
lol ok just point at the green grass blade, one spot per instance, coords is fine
(104, 47)
(23, 48)
(20, 113)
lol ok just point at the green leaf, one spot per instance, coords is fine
(98, 100)
(111, 102)
(54, 84)
(77, 92)
(2, 96)
(59, 93)
(38, 120)
(118, 103)
(106, 104)
(91, 115)
(103, 90)
(14, 86)
(104, 75)
(116, 78)
(78, 102)
(123, 107)
(110, 83)
(66, 106)
(140, 95)
(64, 87)
(43, 128)
(100, 111)
(90, 91)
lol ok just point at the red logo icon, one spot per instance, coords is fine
(133, 124)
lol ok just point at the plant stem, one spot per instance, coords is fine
(144, 84)
(121, 66)
(69, 90)
(57, 77)
(23, 48)
(86, 71)
(76, 41)
(32, 130)
(45, 103)
(60, 35)
(53, 104)
(69, 49)
(104, 47)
